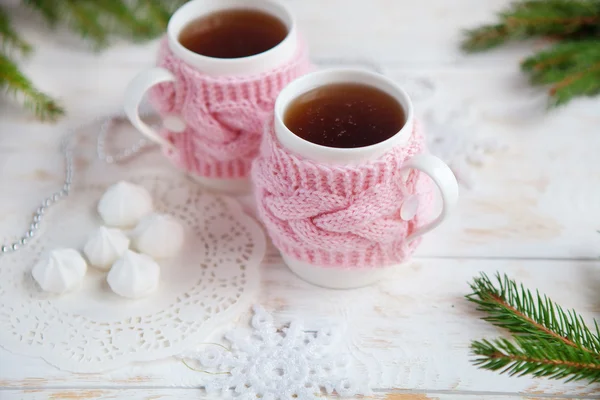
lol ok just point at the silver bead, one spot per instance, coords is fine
(109, 159)
(67, 150)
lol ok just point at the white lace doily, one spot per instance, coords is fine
(90, 330)
(270, 362)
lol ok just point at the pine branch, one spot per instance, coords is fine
(586, 83)
(85, 21)
(119, 19)
(516, 309)
(15, 83)
(156, 15)
(536, 357)
(99, 20)
(572, 66)
(96, 20)
(549, 341)
(553, 17)
(46, 8)
(487, 37)
(9, 37)
(535, 18)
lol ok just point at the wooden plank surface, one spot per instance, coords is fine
(411, 332)
(533, 212)
(183, 394)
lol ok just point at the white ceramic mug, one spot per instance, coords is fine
(435, 168)
(251, 65)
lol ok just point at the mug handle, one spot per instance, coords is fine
(134, 94)
(445, 180)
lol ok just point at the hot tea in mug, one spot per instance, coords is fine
(345, 115)
(233, 33)
(219, 69)
(344, 184)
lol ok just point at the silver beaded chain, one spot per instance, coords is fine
(125, 154)
(67, 151)
(67, 146)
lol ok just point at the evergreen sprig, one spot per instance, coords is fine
(42, 105)
(10, 38)
(95, 20)
(532, 357)
(548, 341)
(572, 65)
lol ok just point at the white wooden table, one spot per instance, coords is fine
(533, 213)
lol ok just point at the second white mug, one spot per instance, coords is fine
(233, 73)
(327, 170)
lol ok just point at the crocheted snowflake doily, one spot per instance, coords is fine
(267, 362)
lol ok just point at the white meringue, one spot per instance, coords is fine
(134, 275)
(158, 235)
(105, 246)
(124, 204)
(60, 271)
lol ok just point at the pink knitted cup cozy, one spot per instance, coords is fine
(224, 115)
(340, 216)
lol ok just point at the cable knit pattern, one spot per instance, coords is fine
(224, 115)
(340, 216)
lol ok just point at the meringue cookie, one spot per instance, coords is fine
(60, 271)
(124, 204)
(105, 246)
(134, 275)
(158, 235)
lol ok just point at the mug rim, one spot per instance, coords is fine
(183, 13)
(307, 83)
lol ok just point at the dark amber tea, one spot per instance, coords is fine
(233, 34)
(345, 115)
